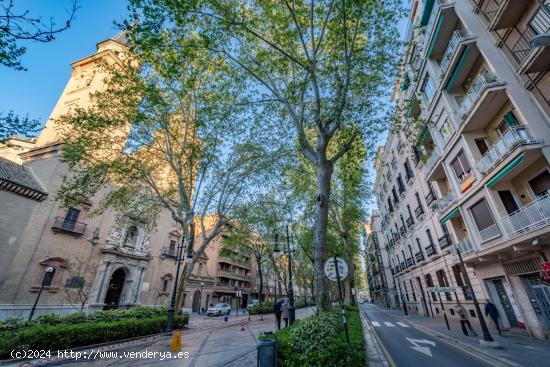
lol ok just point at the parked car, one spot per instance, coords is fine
(219, 309)
(252, 303)
(186, 311)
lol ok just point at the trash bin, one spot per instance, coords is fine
(267, 350)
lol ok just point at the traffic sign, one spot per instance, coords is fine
(441, 289)
(330, 268)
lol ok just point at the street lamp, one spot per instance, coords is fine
(238, 293)
(95, 238)
(172, 307)
(48, 275)
(200, 298)
(276, 252)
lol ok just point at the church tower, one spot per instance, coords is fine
(87, 77)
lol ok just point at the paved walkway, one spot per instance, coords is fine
(514, 349)
(209, 342)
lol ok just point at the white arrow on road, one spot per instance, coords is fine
(421, 349)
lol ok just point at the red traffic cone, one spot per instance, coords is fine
(248, 317)
(242, 325)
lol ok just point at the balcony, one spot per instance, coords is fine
(401, 189)
(403, 266)
(514, 137)
(431, 161)
(402, 230)
(408, 176)
(410, 262)
(62, 224)
(169, 252)
(430, 198)
(501, 14)
(430, 250)
(419, 211)
(466, 247)
(410, 222)
(528, 218)
(419, 256)
(446, 201)
(489, 233)
(445, 241)
(481, 82)
(457, 38)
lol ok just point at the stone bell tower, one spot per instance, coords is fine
(87, 77)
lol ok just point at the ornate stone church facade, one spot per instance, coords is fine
(85, 262)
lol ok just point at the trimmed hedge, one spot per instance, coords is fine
(320, 340)
(266, 308)
(73, 335)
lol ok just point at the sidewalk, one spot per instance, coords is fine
(514, 350)
(209, 342)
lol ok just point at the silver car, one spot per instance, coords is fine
(219, 309)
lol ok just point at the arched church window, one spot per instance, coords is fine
(165, 285)
(48, 276)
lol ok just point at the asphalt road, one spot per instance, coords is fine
(410, 347)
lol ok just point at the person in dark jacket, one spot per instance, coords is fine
(277, 310)
(492, 312)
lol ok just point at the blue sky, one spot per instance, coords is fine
(35, 91)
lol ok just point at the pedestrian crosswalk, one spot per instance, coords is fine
(389, 324)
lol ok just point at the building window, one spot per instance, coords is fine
(412, 289)
(460, 166)
(71, 218)
(443, 282)
(540, 184)
(165, 286)
(446, 130)
(48, 278)
(484, 220)
(428, 89)
(460, 281)
(430, 283)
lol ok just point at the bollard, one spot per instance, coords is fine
(225, 318)
(176, 345)
(267, 352)
(242, 325)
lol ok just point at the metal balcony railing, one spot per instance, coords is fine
(410, 222)
(68, 225)
(430, 198)
(402, 230)
(403, 266)
(446, 200)
(480, 83)
(419, 256)
(489, 9)
(431, 161)
(538, 24)
(457, 36)
(489, 233)
(515, 136)
(528, 218)
(408, 176)
(430, 250)
(445, 241)
(419, 211)
(169, 252)
(410, 262)
(466, 247)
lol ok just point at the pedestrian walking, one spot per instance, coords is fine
(492, 312)
(284, 309)
(464, 322)
(277, 311)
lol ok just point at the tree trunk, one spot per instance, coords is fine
(324, 173)
(351, 271)
(261, 295)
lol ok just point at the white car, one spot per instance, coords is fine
(219, 309)
(252, 303)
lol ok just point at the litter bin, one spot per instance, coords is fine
(267, 350)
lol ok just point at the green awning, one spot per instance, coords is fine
(423, 136)
(428, 5)
(511, 119)
(457, 68)
(434, 37)
(406, 82)
(449, 216)
(505, 170)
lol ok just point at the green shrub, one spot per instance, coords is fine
(319, 340)
(14, 323)
(64, 336)
(267, 307)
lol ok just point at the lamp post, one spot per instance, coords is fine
(276, 251)
(486, 335)
(200, 298)
(172, 307)
(238, 293)
(48, 275)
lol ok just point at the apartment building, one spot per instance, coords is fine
(467, 170)
(379, 276)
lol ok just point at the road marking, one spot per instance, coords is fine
(425, 350)
(375, 323)
(389, 324)
(402, 324)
